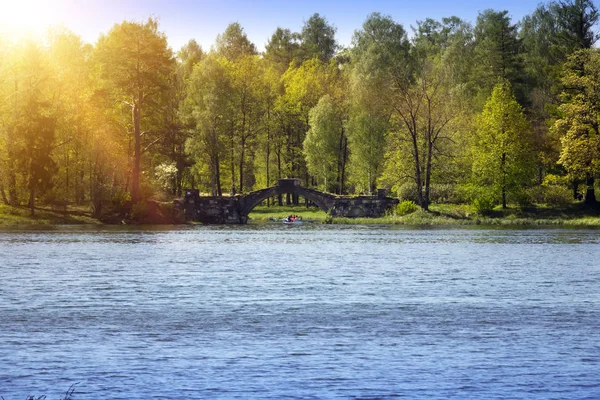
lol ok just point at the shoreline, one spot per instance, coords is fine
(440, 215)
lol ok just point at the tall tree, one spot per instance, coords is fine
(317, 39)
(34, 124)
(282, 48)
(576, 19)
(497, 53)
(321, 145)
(579, 120)
(233, 44)
(380, 52)
(502, 150)
(136, 62)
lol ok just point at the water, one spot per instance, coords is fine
(316, 312)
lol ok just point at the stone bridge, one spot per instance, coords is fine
(235, 209)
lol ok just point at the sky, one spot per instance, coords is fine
(203, 20)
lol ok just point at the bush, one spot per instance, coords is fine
(521, 197)
(408, 191)
(406, 207)
(484, 203)
(557, 196)
(444, 193)
(139, 211)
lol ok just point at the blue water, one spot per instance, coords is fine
(299, 312)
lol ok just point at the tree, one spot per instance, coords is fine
(367, 140)
(380, 52)
(502, 149)
(549, 35)
(32, 135)
(321, 145)
(422, 119)
(246, 77)
(282, 48)
(578, 125)
(497, 52)
(576, 19)
(317, 39)
(188, 56)
(206, 108)
(233, 44)
(136, 63)
(304, 86)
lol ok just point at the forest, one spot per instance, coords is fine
(490, 113)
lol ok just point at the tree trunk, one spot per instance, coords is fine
(241, 167)
(137, 152)
(504, 206)
(218, 173)
(344, 162)
(279, 196)
(2, 192)
(268, 152)
(575, 187)
(590, 195)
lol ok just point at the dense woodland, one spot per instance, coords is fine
(491, 112)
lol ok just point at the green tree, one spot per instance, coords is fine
(502, 159)
(367, 141)
(497, 53)
(32, 134)
(317, 39)
(233, 44)
(206, 108)
(321, 145)
(136, 63)
(282, 48)
(576, 19)
(578, 125)
(379, 54)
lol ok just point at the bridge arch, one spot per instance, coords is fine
(322, 200)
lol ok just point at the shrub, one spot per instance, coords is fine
(408, 191)
(521, 197)
(406, 207)
(484, 203)
(139, 211)
(557, 196)
(444, 193)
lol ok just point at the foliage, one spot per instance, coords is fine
(484, 203)
(406, 207)
(321, 145)
(136, 63)
(578, 124)
(453, 113)
(502, 158)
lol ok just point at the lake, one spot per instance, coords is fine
(299, 312)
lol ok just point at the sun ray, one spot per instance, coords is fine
(27, 17)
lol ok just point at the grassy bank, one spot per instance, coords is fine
(439, 214)
(45, 216)
(446, 214)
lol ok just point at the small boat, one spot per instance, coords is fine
(297, 221)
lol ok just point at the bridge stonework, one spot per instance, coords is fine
(235, 209)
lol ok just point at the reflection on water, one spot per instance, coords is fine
(307, 311)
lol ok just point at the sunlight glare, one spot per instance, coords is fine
(20, 18)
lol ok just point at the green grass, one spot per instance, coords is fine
(267, 214)
(447, 214)
(10, 215)
(572, 215)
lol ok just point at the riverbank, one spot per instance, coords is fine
(10, 215)
(439, 214)
(445, 214)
